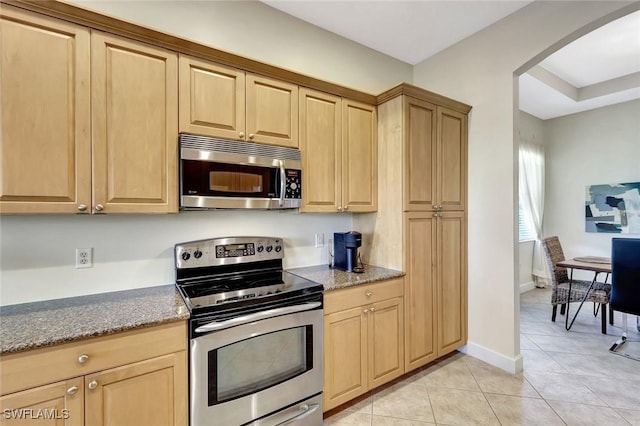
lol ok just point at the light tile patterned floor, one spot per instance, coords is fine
(569, 378)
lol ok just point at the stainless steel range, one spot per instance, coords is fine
(255, 334)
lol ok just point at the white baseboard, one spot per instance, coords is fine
(527, 286)
(510, 365)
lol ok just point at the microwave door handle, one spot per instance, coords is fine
(283, 183)
(245, 319)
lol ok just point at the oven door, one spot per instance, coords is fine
(245, 372)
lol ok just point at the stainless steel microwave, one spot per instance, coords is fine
(228, 174)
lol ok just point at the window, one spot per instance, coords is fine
(525, 232)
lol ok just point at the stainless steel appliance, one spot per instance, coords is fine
(345, 251)
(255, 334)
(218, 174)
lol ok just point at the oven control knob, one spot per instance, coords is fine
(278, 249)
(269, 248)
(185, 256)
(260, 249)
(197, 254)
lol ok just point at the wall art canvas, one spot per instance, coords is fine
(613, 208)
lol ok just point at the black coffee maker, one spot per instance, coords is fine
(345, 251)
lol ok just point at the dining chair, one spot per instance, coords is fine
(560, 284)
(625, 285)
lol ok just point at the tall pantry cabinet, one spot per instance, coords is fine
(421, 224)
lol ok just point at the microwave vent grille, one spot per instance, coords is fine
(238, 147)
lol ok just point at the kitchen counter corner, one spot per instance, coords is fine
(333, 279)
(47, 323)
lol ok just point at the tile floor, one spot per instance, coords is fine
(569, 378)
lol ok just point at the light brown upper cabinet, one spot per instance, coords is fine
(89, 120)
(226, 102)
(435, 157)
(338, 141)
(45, 114)
(135, 126)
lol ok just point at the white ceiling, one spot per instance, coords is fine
(602, 68)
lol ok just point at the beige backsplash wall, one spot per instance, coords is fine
(37, 253)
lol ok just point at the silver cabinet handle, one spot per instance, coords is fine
(244, 319)
(82, 207)
(345, 208)
(306, 410)
(366, 311)
(72, 390)
(339, 209)
(83, 358)
(283, 183)
(251, 136)
(372, 309)
(368, 294)
(92, 384)
(241, 134)
(99, 207)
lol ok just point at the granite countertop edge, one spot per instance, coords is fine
(48, 323)
(334, 279)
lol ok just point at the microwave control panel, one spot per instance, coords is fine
(294, 184)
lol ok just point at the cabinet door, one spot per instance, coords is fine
(60, 404)
(212, 99)
(452, 282)
(320, 143)
(147, 393)
(359, 157)
(386, 341)
(452, 159)
(420, 331)
(45, 162)
(345, 359)
(135, 126)
(272, 111)
(420, 155)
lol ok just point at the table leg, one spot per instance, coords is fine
(566, 318)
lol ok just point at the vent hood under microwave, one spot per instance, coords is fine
(229, 174)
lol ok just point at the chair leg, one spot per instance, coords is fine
(604, 318)
(610, 315)
(563, 308)
(553, 313)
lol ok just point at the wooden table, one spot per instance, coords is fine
(596, 267)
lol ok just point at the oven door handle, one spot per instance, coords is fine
(306, 411)
(221, 325)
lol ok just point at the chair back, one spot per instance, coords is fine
(625, 275)
(554, 255)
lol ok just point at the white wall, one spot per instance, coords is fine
(257, 31)
(130, 251)
(480, 72)
(38, 252)
(588, 148)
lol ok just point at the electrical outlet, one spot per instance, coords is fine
(84, 258)
(320, 239)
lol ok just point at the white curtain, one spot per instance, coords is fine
(532, 199)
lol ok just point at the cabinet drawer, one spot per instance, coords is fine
(47, 365)
(341, 299)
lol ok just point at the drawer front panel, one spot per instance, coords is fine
(47, 365)
(351, 297)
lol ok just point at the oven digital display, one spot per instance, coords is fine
(235, 250)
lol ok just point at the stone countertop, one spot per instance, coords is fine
(333, 279)
(38, 324)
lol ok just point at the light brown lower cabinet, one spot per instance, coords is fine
(135, 378)
(363, 339)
